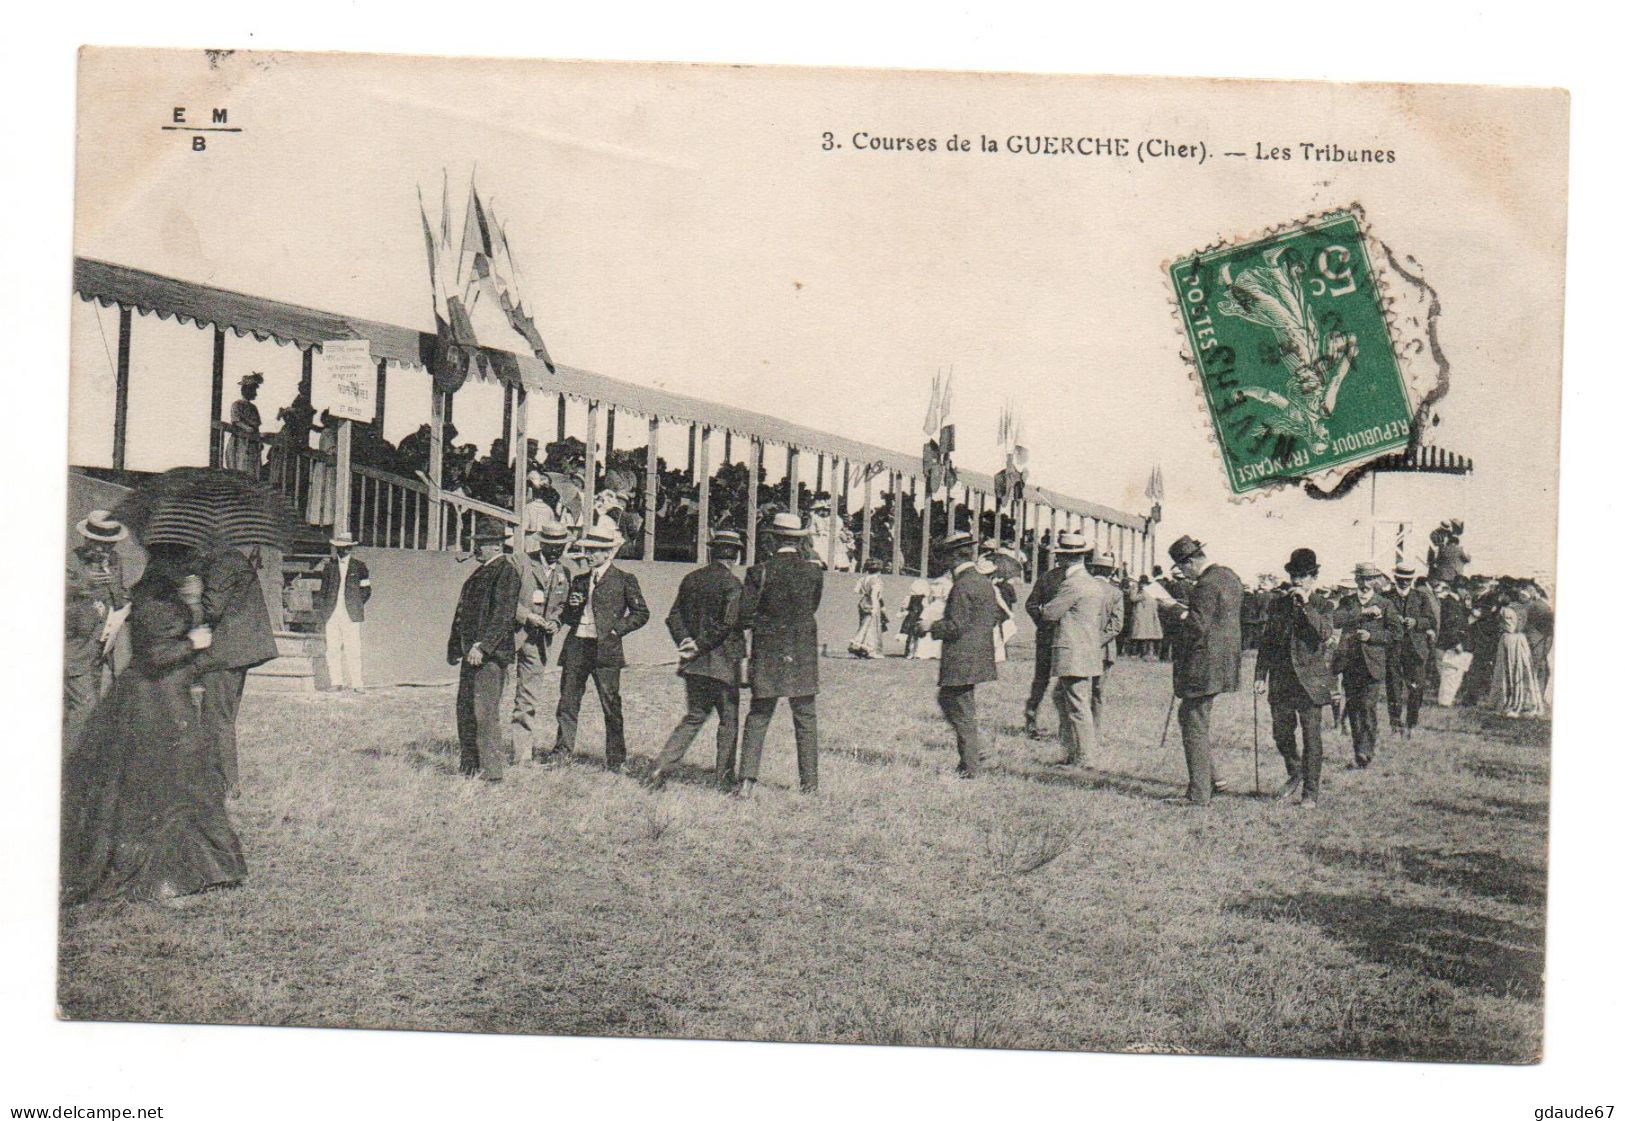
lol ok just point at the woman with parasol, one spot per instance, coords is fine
(143, 793)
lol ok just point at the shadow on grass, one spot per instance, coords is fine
(1086, 778)
(1530, 813)
(438, 755)
(1488, 875)
(1472, 952)
(1497, 771)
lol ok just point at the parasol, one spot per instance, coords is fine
(207, 508)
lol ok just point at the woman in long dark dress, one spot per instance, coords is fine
(144, 807)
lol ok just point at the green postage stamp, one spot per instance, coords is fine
(1293, 353)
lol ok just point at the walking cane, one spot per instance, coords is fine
(1256, 788)
(1173, 699)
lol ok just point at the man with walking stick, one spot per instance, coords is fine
(1292, 669)
(1207, 660)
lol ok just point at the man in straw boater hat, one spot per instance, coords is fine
(1102, 565)
(482, 642)
(1293, 671)
(1411, 656)
(604, 605)
(704, 623)
(1081, 612)
(341, 604)
(779, 607)
(544, 582)
(1207, 660)
(97, 602)
(1370, 624)
(1044, 589)
(966, 633)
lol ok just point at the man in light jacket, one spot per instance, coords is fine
(1081, 612)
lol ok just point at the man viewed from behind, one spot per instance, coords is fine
(966, 631)
(704, 623)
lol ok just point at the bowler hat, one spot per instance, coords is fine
(1184, 549)
(726, 539)
(786, 524)
(1303, 562)
(956, 541)
(1366, 569)
(1072, 543)
(490, 532)
(99, 525)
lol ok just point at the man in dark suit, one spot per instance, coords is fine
(779, 607)
(1370, 624)
(1207, 659)
(704, 623)
(341, 604)
(1411, 655)
(1293, 670)
(1044, 589)
(966, 632)
(604, 605)
(234, 607)
(482, 633)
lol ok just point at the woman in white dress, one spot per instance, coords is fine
(869, 642)
(927, 648)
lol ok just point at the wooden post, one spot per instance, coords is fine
(380, 394)
(896, 522)
(609, 436)
(507, 414)
(217, 395)
(818, 481)
(521, 461)
(651, 484)
(589, 490)
(437, 460)
(727, 445)
(705, 496)
(868, 518)
(341, 480)
(121, 389)
(998, 521)
(560, 436)
(835, 501)
(923, 486)
(792, 465)
(691, 428)
(754, 465)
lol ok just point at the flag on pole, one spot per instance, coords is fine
(1153, 486)
(500, 273)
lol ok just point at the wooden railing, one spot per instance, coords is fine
(386, 510)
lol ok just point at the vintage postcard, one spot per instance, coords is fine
(748, 553)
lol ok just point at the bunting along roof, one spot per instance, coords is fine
(168, 297)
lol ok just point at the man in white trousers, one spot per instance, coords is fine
(342, 603)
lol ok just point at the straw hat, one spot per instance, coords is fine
(99, 525)
(726, 538)
(1366, 569)
(341, 541)
(604, 534)
(1071, 543)
(956, 541)
(786, 524)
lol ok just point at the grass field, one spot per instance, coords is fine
(1038, 906)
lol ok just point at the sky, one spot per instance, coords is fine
(685, 227)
